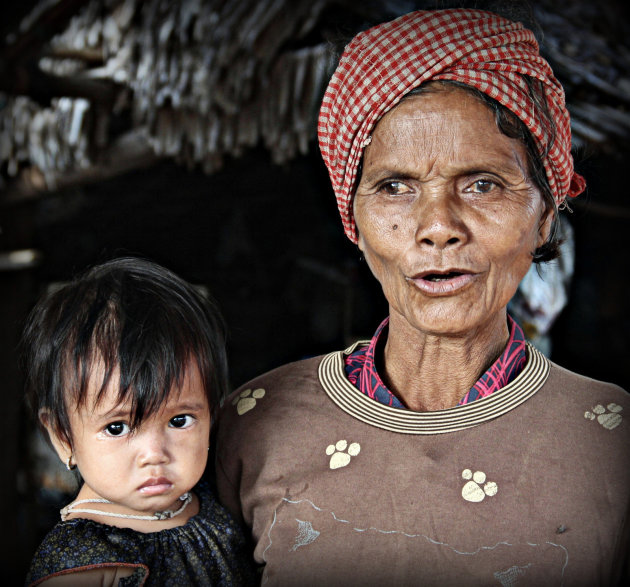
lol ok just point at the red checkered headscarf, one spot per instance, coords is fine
(475, 47)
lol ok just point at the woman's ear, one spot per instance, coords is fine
(360, 243)
(60, 443)
(544, 229)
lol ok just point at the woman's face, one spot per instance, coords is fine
(447, 216)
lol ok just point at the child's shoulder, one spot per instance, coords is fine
(78, 544)
(211, 536)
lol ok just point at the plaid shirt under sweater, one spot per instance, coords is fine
(360, 368)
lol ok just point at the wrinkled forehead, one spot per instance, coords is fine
(451, 125)
(447, 109)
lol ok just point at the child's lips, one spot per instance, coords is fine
(155, 486)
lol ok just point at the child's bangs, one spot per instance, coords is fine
(142, 356)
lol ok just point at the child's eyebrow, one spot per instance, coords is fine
(190, 407)
(116, 412)
(119, 412)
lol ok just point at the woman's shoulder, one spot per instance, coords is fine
(297, 377)
(602, 402)
(564, 378)
(279, 400)
(300, 376)
(288, 372)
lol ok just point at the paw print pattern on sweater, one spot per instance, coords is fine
(473, 491)
(246, 400)
(609, 417)
(340, 453)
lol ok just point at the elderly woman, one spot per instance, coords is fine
(446, 450)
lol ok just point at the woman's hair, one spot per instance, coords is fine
(513, 127)
(129, 315)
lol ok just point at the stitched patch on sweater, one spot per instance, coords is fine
(305, 534)
(509, 577)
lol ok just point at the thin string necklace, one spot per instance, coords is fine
(165, 515)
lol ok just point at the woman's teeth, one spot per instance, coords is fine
(444, 277)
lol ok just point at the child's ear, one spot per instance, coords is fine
(60, 443)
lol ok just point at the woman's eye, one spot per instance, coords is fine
(117, 429)
(482, 186)
(182, 421)
(395, 188)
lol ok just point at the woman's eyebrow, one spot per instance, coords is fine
(511, 169)
(374, 175)
(488, 169)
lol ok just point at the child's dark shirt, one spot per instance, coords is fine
(209, 549)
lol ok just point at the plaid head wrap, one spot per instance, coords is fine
(475, 47)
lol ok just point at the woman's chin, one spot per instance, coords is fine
(449, 320)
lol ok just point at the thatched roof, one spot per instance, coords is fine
(92, 88)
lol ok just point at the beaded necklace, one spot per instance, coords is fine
(165, 515)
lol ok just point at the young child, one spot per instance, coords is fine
(124, 368)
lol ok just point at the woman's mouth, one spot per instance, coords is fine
(441, 277)
(155, 486)
(441, 282)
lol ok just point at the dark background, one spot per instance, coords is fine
(267, 242)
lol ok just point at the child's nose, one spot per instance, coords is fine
(153, 448)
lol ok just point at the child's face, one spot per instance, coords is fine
(146, 470)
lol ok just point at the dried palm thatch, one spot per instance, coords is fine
(96, 87)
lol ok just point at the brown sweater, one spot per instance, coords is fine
(529, 486)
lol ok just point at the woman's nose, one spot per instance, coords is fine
(152, 448)
(439, 221)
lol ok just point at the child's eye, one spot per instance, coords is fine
(117, 429)
(181, 421)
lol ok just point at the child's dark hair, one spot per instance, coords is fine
(130, 314)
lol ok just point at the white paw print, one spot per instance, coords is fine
(608, 419)
(246, 400)
(473, 491)
(339, 456)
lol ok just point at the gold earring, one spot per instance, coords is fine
(69, 464)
